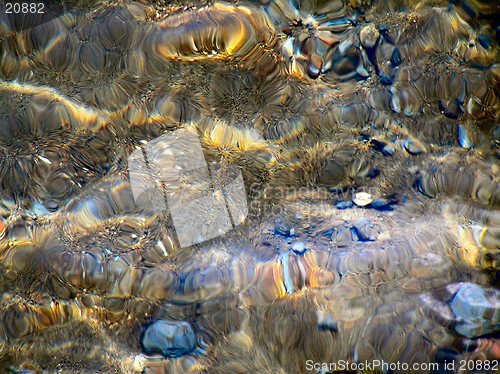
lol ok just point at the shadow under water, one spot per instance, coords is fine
(363, 135)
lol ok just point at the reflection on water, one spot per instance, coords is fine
(367, 136)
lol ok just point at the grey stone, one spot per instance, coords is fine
(170, 338)
(477, 310)
(365, 230)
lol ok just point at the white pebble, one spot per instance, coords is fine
(299, 247)
(362, 198)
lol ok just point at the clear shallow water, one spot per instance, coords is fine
(367, 139)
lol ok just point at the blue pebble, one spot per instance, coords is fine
(463, 138)
(344, 205)
(284, 231)
(374, 173)
(388, 150)
(496, 134)
(382, 205)
(396, 58)
(386, 80)
(485, 40)
(382, 27)
(381, 146)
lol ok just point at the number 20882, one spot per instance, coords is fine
(24, 8)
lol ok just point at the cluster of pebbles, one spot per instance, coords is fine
(367, 134)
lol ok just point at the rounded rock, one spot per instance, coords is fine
(170, 338)
(477, 309)
(369, 36)
(413, 147)
(365, 231)
(299, 247)
(344, 205)
(362, 198)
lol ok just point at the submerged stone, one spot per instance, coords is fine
(299, 247)
(413, 147)
(477, 309)
(384, 147)
(170, 338)
(496, 134)
(342, 236)
(485, 40)
(362, 198)
(386, 80)
(326, 321)
(369, 36)
(451, 109)
(344, 205)
(284, 231)
(365, 231)
(382, 204)
(396, 58)
(463, 137)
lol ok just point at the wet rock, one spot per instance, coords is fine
(450, 109)
(345, 61)
(365, 231)
(385, 148)
(342, 236)
(477, 310)
(299, 247)
(485, 40)
(284, 231)
(170, 338)
(362, 198)
(395, 100)
(362, 72)
(463, 137)
(382, 204)
(373, 173)
(396, 58)
(344, 205)
(388, 150)
(422, 186)
(369, 36)
(437, 310)
(326, 321)
(413, 147)
(386, 80)
(496, 134)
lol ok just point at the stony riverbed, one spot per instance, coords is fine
(366, 134)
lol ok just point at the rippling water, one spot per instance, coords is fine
(363, 135)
